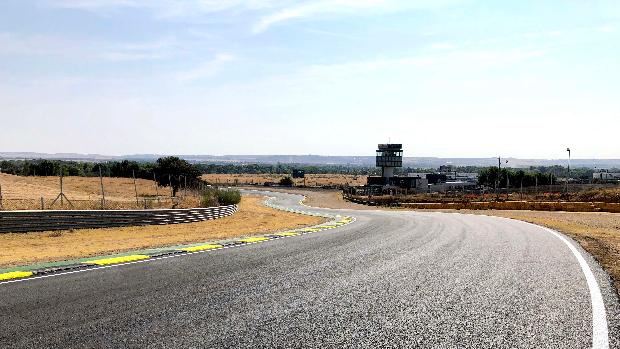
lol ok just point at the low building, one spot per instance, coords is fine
(606, 176)
(402, 182)
(449, 186)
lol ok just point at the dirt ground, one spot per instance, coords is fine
(252, 218)
(311, 180)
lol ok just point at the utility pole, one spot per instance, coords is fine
(568, 170)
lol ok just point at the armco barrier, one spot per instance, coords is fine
(24, 221)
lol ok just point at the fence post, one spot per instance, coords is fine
(156, 189)
(0, 196)
(133, 174)
(170, 184)
(42, 204)
(102, 191)
(61, 191)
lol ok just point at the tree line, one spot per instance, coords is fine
(534, 175)
(177, 172)
(167, 171)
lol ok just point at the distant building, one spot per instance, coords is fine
(389, 157)
(443, 187)
(606, 176)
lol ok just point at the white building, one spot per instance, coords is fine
(603, 175)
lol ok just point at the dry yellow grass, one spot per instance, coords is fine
(252, 218)
(77, 188)
(311, 179)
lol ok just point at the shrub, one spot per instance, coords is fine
(286, 181)
(208, 198)
(228, 197)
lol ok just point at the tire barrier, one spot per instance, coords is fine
(27, 221)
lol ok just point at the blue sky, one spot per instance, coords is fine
(449, 78)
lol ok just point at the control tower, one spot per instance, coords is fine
(389, 157)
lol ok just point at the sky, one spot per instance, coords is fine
(447, 78)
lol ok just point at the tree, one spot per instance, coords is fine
(286, 181)
(174, 172)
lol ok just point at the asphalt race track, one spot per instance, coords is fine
(389, 280)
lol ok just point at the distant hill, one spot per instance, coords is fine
(415, 162)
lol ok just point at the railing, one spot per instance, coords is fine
(26, 221)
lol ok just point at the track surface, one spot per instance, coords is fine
(391, 279)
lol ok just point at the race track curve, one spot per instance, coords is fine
(391, 279)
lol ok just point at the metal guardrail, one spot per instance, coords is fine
(26, 221)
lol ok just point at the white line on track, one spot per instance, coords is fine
(600, 333)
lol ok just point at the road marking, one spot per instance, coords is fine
(600, 333)
(117, 260)
(15, 275)
(200, 248)
(310, 230)
(253, 239)
(287, 233)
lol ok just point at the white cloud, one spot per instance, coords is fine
(264, 13)
(49, 45)
(309, 9)
(165, 8)
(206, 69)
(342, 7)
(461, 60)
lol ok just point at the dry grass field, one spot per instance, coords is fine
(30, 193)
(312, 180)
(78, 188)
(252, 218)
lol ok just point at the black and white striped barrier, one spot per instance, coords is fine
(25, 221)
